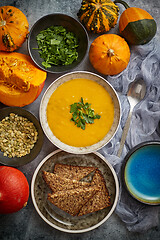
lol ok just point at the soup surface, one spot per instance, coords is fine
(59, 116)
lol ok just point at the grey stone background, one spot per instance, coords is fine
(26, 224)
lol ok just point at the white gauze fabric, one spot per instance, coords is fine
(144, 63)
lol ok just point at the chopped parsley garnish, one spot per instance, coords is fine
(82, 114)
(57, 46)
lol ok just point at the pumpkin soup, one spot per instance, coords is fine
(59, 112)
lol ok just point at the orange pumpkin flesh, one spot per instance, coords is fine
(13, 28)
(109, 54)
(14, 190)
(21, 81)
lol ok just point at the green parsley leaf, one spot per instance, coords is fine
(74, 108)
(46, 65)
(82, 114)
(57, 46)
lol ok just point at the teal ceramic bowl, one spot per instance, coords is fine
(142, 172)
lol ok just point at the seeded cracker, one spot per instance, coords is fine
(71, 201)
(59, 183)
(72, 172)
(101, 199)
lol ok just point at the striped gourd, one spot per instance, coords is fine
(98, 16)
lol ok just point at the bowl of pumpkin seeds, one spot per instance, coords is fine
(21, 136)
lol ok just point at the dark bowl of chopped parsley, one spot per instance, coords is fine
(21, 136)
(57, 43)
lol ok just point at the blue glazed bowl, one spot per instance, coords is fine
(142, 172)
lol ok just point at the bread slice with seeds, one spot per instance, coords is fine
(59, 183)
(71, 201)
(101, 199)
(72, 172)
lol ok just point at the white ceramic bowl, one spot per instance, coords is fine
(54, 86)
(55, 217)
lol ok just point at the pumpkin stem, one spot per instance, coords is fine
(110, 52)
(98, 5)
(25, 204)
(123, 3)
(2, 23)
(1, 197)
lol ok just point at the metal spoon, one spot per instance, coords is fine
(136, 92)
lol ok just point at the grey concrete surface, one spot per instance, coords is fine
(26, 224)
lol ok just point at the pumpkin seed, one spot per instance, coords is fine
(17, 136)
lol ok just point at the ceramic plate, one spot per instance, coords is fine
(58, 218)
(142, 173)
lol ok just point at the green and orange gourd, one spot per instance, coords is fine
(98, 16)
(136, 25)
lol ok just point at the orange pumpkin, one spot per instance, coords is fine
(13, 28)
(109, 54)
(21, 81)
(14, 190)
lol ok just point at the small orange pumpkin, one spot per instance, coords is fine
(13, 28)
(109, 54)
